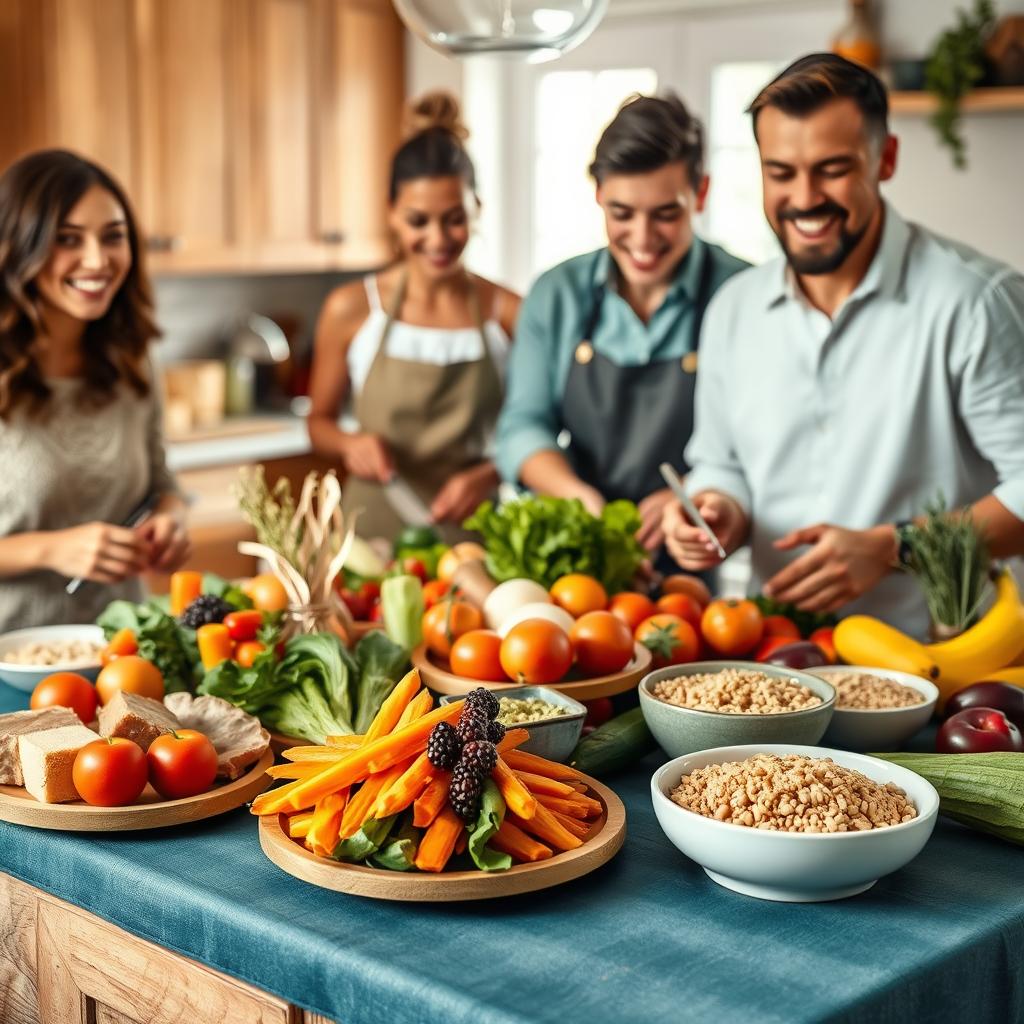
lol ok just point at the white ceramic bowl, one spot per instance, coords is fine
(886, 728)
(26, 677)
(794, 867)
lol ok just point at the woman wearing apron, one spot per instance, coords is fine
(417, 351)
(601, 380)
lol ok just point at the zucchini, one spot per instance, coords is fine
(614, 746)
(983, 791)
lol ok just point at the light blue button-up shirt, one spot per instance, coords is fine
(915, 386)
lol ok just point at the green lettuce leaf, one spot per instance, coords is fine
(398, 851)
(488, 821)
(161, 639)
(381, 663)
(365, 842)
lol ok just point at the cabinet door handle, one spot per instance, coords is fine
(333, 237)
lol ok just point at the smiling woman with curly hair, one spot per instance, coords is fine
(80, 441)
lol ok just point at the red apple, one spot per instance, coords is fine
(978, 731)
(1001, 696)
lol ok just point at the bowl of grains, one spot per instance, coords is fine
(715, 703)
(876, 708)
(555, 721)
(28, 656)
(792, 823)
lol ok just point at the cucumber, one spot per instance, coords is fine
(416, 537)
(614, 746)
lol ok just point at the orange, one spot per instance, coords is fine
(131, 674)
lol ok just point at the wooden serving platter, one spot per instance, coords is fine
(607, 836)
(151, 810)
(435, 674)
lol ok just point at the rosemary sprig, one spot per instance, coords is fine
(271, 513)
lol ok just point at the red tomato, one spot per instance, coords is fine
(477, 655)
(670, 639)
(243, 625)
(536, 652)
(732, 627)
(414, 567)
(110, 772)
(632, 608)
(247, 652)
(370, 589)
(446, 622)
(602, 642)
(823, 638)
(579, 594)
(434, 592)
(377, 612)
(682, 583)
(779, 625)
(598, 712)
(687, 607)
(357, 604)
(181, 764)
(66, 690)
(769, 645)
(121, 643)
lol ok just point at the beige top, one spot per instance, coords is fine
(77, 465)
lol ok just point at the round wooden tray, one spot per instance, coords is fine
(606, 839)
(152, 811)
(436, 675)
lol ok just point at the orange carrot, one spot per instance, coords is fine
(541, 784)
(517, 844)
(416, 708)
(523, 761)
(439, 840)
(323, 832)
(578, 828)
(298, 824)
(576, 806)
(406, 789)
(275, 800)
(544, 826)
(296, 770)
(512, 739)
(462, 841)
(429, 803)
(360, 807)
(517, 797)
(330, 754)
(390, 712)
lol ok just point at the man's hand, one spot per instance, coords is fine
(689, 545)
(840, 566)
(368, 457)
(652, 510)
(462, 493)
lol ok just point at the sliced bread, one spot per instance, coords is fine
(47, 759)
(136, 718)
(21, 723)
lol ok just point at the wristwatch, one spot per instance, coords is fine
(904, 552)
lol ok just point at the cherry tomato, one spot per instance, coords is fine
(247, 652)
(686, 606)
(66, 690)
(598, 712)
(632, 608)
(110, 772)
(602, 642)
(779, 625)
(414, 567)
(357, 604)
(370, 589)
(536, 652)
(579, 594)
(446, 622)
(435, 591)
(670, 639)
(377, 612)
(243, 625)
(823, 638)
(681, 583)
(131, 674)
(769, 645)
(732, 627)
(182, 763)
(121, 643)
(476, 655)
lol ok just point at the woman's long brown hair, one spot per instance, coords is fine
(36, 195)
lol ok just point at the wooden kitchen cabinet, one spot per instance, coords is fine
(60, 964)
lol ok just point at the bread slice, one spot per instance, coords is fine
(136, 718)
(20, 723)
(47, 759)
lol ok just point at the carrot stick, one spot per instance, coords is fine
(517, 844)
(544, 826)
(390, 712)
(523, 761)
(275, 800)
(416, 708)
(579, 787)
(298, 824)
(324, 753)
(517, 797)
(429, 803)
(439, 840)
(323, 832)
(462, 841)
(572, 808)
(405, 790)
(512, 739)
(345, 742)
(578, 828)
(373, 757)
(541, 784)
(360, 807)
(298, 770)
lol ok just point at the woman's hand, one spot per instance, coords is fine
(98, 551)
(368, 457)
(651, 509)
(689, 545)
(167, 541)
(463, 492)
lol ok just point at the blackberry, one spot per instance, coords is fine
(205, 609)
(443, 746)
(471, 727)
(481, 756)
(495, 732)
(484, 701)
(464, 791)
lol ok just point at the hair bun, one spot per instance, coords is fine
(434, 110)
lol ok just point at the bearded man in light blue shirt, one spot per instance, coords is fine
(846, 384)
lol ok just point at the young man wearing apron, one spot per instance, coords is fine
(606, 347)
(419, 350)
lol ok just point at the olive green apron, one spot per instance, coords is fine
(435, 419)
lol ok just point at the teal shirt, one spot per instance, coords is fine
(551, 324)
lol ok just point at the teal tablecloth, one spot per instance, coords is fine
(647, 938)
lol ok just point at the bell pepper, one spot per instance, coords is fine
(243, 625)
(185, 588)
(215, 644)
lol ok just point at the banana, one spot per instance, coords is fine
(863, 640)
(992, 642)
(1013, 675)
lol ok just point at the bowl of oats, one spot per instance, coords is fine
(876, 708)
(717, 703)
(28, 656)
(793, 823)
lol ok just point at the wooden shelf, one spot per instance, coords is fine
(981, 101)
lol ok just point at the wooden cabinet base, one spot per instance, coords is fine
(50, 975)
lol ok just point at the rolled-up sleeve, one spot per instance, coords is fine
(711, 453)
(991, 395)
(530, 420)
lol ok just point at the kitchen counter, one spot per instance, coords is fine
(240, 440)
(647, 937)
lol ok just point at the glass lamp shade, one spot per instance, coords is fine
(526, 29)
